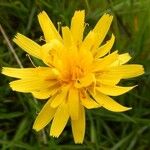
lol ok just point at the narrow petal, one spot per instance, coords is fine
(122, 59)
(88, 42)
(78, 126)
(85, 55)
(46, 93)
(127, 71)
(44, 117)
(108, 103)
(89, 103)
(60, 120)
(60, 97)
(96, 37)
(77, 26)
(51, 53)
(85, 81)
(113, 90)
(30, 85)
(108, 79)
(73, 103)
(102, 28)
(67, 37)
(104, 49)
(48, 28)
(105, 62)
(28, 45)
(54, 45)
(28, 73)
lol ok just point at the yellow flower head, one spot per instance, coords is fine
(80, 73)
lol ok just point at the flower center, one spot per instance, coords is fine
(72, 64)
(72, 74)
(76, 73)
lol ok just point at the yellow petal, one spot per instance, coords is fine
(60, 97)
(54, 45)
(44, 117)
(28, 45)
(108, 79)
(104, 49)
(102, 28)
(73, 103)
(77, 26)
(113, 90)
(88, 102)
(122, 59)
(127, 71)
(51, 53)
(85, 81)
(108, 103)
(60, 120)
(46, 93)
(88, 42)
(48, 28)
(30, 85)
(67, 37)
(28, 73)
(85, 58)
(78, 126)
(105, 62)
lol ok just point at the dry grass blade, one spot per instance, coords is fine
(10, 46)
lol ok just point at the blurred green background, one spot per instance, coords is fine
(104, 130)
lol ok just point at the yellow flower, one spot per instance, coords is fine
(79, 73)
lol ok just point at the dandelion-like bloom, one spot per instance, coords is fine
(79, 73)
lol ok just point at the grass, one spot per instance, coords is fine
(104, 130)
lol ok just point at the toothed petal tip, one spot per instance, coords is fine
(55, 136)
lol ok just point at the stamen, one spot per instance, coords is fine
(86, 24)
(59, 26)
(41, 39)
(31, 60)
